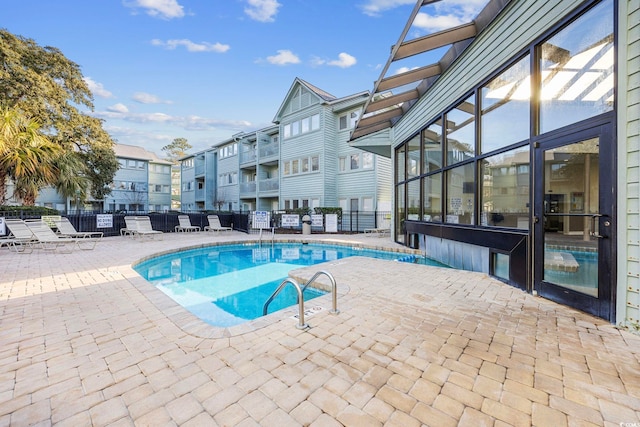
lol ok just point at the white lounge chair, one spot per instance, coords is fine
(130, 228)
(20, 238)
(48, 240)
(214, 224)
(185, 224)
(144, 228)
(65, 228)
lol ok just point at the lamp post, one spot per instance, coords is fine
(77, 201)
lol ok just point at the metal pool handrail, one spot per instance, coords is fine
(301, 324)
(334, 289)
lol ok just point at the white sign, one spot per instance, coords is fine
(331, 223)
(289, 220)
(104, 221)
(316, 220)
(261, 219)
(3, 226)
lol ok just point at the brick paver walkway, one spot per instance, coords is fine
(85, 341)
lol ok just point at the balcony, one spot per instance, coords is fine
(269, 150)
(269, 185)
(248, 188)
(248, 156)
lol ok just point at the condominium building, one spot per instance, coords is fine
(302, 160)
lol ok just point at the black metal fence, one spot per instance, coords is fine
(348, 222)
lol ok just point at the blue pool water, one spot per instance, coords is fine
(228, 285)
(584, 279)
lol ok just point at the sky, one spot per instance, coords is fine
(205, 70)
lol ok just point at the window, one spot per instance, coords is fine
(576, 68)
(342, 164)
(355, 161)
(413, 200)
(501, 205)
(348, 121)
(432, 148)
(305, 203)
(287, 204)
(413, 157)
(505, 108)
(294, 166)
(315, 122)
(315, 163)
(400, 163)
(432, 198)
(461, 140)
(287, 168)
(367, 160)
(343, 122)
(301, 126)
(367, 204)
(460, 194)
(296, 204)
(304, 165)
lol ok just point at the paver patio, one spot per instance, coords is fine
(86, 341)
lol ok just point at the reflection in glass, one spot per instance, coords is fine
(432, 141)
(571, 206)
(505, 189)
(413, 157)
(505, 113)
(400, 163)
(576, 69)
(460, 194)
(400, 213)
(432, 198)
(461, 139)
(413, 200)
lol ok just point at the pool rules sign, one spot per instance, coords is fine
(261, 219)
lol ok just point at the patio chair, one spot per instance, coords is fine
(144, 228)
(130, 228)
(48, 240)
(20, 238)
(65, 228)
(214, 224)
(185, 224)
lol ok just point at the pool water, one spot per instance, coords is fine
(583, 279)
(228, 285)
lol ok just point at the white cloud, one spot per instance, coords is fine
(448, 14)
(191, 46)
(147, 98)
(262, 10)
(284, 57)
(97, 89)
(344, 61)
(405, 69)
(118, 108)
(166, 9)
(437, 23)
(376, 7)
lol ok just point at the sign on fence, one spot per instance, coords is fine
(104, 221)
(331, 223)
(289, 220)
(316, 220)
(261, 219)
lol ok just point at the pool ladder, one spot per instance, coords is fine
(301, 324)
(273, 235)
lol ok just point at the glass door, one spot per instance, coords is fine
(573, 230)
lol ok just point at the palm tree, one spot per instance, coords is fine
(27, 156)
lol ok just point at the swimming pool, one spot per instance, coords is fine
(228, 284)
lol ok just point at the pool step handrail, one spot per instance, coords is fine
(301, 324)
(334, 289)
(273, 235)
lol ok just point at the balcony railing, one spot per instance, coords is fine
(248, 156)
(269, 185)
(248, 187)
(269, 150)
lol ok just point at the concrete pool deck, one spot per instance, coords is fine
(86, 341)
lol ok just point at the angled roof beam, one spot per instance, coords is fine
(362, 131)
(435, 40)
(409, 77)
(392, 100)
(381, 117)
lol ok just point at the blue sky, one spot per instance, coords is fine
(207, 69)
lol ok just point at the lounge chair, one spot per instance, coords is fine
(214, 224)
(20, 238)
(65, 228)
(144, 228)
(185, 224)
(380, 232)
(48, 240)
(130, 227)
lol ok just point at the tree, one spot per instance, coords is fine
(27, 156)
(176, 150)
(41, 83)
